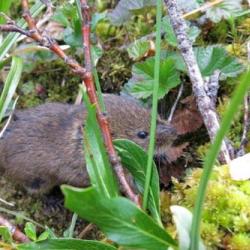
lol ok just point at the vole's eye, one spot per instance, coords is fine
(142, 134)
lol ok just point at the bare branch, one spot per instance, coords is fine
(205, 105)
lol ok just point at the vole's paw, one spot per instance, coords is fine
(53, 202)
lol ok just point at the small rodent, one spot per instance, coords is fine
(42, 146)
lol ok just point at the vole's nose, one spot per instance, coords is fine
(166, 134)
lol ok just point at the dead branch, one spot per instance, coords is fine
(204, 103)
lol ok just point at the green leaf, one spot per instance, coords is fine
(43, 236)
(97, 17)
(137, 49)
(134, 158)
(73, 36)
(66, 244)
(142, 82)
(212, 58)
(30, 231)
(11, 38)
(224, 10)
(187, 6)
(213, 152)
(120, 219)
(4, 7)
(183, 221)
(10, 85)
(124, 10)
(5, 234)
(192, 32)
(98, 165)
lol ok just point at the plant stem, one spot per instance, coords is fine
(212, 155)
(154, 106)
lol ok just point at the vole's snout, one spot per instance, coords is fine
(166, 134)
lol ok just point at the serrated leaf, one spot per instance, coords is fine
(124, 8)
(137, 49)
(214, 58)
(141, 84)
(224, 10)
(97, 162)
(210, 59)
(120, 219)
(10, 85)
(134, 158)
(187, 6)
(66, 244)
(5, 234)
(30, 231)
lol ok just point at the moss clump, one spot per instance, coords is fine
(48, 82)
(226, 211)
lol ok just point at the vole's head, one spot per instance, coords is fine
(131, 121)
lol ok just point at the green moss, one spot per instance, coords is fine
(226, 208)
(239, 242)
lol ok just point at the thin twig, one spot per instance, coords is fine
(88, 228)
(175, 103)
(102, 119)
(204, 7)
(205, 106)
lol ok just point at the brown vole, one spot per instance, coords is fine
(42, 146)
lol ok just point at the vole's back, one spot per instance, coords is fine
(42, 146)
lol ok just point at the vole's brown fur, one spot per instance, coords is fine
(42, 146)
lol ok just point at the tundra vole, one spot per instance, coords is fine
(42, 146)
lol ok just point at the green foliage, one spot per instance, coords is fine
(124, 10)
(224, 10)
(135, 160)
(30, 231)
(137, 49)
(192, 32)
(120, 219)
(5, 234)
(226, 207)
(66, 244)
(5, 7)
(209, 59)
(67, 15)
(142, 83)
(11, 38)
(10, 85)
(213, 153)
(99, 168)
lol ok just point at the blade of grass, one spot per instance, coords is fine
(10, 84)
(4, 7)
(154, 106)
(212, 154)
